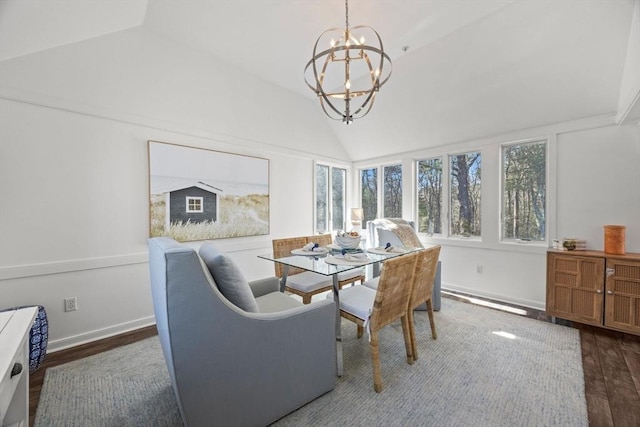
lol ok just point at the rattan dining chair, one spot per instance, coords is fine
(346, 277)
(375, 309)
(422, 291)
(303, 283)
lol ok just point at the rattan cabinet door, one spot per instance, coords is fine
(575, 288)
(622, 300)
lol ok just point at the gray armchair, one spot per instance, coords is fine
(229, 366)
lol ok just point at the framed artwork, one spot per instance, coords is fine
(200, 194)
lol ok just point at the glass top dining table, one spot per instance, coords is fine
(330, 264)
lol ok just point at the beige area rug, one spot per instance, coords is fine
(487, 368)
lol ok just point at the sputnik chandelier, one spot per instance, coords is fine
(348, 74)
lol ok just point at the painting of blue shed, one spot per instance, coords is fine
(194, 204)
(198, 194)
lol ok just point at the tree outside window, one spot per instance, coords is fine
(429, 187)
(369, 194)
(322, 198)
(465, 194)
(338, 190)
(392, 191)
(524, 200)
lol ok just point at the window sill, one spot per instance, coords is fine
(477, 243)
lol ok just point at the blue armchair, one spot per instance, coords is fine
(236, 366)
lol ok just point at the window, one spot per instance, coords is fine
(369, 194)
(194, 205)
(322, 198)
(392, 191)
(330, 198)
(524, 186)
(429, 185)
(338, 190)
(465, 186)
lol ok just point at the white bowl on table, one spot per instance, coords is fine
(348, 242)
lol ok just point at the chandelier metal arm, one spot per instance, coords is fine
(348, 50)
(346, 14)
(327, 52)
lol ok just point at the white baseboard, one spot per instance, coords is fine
(99, 334)
(502, 298)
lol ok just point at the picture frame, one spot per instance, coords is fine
(200, 194)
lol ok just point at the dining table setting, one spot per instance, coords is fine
(344, 253)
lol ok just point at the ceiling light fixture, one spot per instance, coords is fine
(355, 71)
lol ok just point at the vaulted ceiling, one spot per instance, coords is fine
(471, 69)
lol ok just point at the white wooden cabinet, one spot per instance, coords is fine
(14, 366)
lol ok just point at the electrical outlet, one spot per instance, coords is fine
(70, 304)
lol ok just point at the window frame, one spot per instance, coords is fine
(549, 164)
(443, 204)
(200, 202)
(381, 186)
(490, 208)
(359, 191)
(380, 168)
(448, 194)
(330, 211)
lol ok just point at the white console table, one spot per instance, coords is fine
(14, 366)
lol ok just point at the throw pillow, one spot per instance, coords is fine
(230, 280)
(407, 234)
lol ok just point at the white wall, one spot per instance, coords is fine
(594, 180)
(74, 217)
(74, 126)
(599, 183)
(630, 86)
(138, 77)
(73, 178)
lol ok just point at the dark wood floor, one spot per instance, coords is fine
(611, 363)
